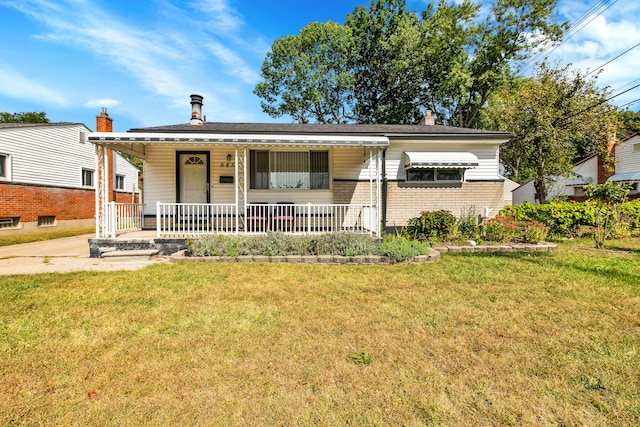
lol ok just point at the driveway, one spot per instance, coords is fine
(60, 256)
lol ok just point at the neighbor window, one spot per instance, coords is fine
(434, 175)
(87, 178)
(119, 182)
(4, 166)
(304, 170)
(46, 220)
(9, 222)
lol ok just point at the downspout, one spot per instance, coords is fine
(384, 191)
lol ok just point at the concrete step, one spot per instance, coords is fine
(130, 255)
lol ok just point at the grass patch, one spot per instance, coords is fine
(16, 239)
(550, 338)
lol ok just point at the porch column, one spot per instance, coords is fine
(237, 175)
(102, 191)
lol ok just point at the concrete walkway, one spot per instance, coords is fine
(60, 256)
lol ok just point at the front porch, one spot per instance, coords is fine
(188, 220)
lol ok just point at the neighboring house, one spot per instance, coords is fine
(586, 171)
(628, 164)
(241, 177)
(48, 177)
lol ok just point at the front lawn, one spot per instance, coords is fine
(550, 338)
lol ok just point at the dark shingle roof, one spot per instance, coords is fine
(323, 129)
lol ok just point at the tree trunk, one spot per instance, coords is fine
(541, 191)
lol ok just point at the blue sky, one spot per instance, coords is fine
(142, 59)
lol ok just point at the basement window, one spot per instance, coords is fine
(9, 222)
(47, 220)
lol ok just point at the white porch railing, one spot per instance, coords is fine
(193, 219)
(121, 217)
(185, 219)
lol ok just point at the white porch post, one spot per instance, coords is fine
(370, 190)
(237, 191)
(378, 191)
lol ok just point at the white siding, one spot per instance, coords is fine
(122, 166)
(48, 154)
(159, 176)
(628, 155)
(488, 163)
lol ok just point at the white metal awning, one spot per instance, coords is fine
(579, 182)
(625, 177)
(439, 159)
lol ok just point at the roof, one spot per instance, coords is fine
(625, 177)
(387, 130)
(32, 125)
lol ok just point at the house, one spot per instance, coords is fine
(628, 164)
(588, 170)
(48, 177)
(206, 177)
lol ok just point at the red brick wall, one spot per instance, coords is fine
(30, 201)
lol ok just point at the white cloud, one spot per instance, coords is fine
(17, 86)
(99, 103)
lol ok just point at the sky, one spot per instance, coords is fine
(142, 59)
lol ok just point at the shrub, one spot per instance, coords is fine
(345, 244)
(214, 245)
(500, 229)
(532, 232)
(400, 248)
(564, 218)
(467, 226)
(432, 226)
(278, 244)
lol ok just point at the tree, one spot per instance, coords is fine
(26, 117)
(393, 63)
(606, 199)
(386, 62)
(549, 116)
(630, 123)
(307, 76)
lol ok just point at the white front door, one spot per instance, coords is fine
(193, 178)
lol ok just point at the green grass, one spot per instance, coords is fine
(475, 339)
(16, 239)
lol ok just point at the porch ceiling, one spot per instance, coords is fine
(135, 143)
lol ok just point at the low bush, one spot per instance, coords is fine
(345, 244)
(401, 248)
(500, 229)
(433, 226)
(532, 232)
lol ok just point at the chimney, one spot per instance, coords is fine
(104, 123)
(196, 110)
(428, 119)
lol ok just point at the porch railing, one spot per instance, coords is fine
(121, 217)
(185, 219)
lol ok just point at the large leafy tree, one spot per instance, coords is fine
(392, 63)
(552, 117)
(26, 117)
(386, 62)
(307, 76)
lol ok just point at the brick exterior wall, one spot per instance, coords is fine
(404, 201)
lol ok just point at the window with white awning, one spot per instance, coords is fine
(437, 166)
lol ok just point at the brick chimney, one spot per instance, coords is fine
(104, 123)
(428, 119)
(196, 109)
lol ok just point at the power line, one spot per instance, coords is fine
(573, 29)
(611, 60)
(599, 103)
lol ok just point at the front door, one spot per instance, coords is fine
(193, 178)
